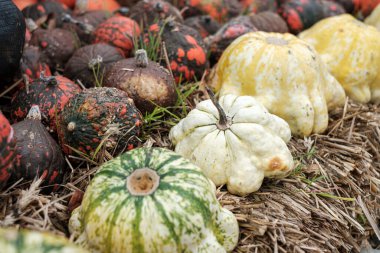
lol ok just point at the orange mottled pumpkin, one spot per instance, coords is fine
(119, 32)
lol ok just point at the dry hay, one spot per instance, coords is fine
(326, 205)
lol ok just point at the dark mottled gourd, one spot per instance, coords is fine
(12, 38)
(40, 156)
(268, 21)
(301, 14)
(84, 24)
(144, 81)
(32, 63)
(57, 45)
(127, 3)
(220, 10)
(185, 49)
(257, 6)
(331, 9)
(49, 10)
(89, 63)
(147, 12)
(8, 159)
(230, 31)
(204, 24)
(49, 93)
(98, 114)
(118, 31)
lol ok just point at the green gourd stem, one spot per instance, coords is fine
(223, 123)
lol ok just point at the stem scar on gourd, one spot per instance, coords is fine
(143, 182)
(224, 121)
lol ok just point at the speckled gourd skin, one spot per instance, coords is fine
(290, 80)
(351, 50)
(27, 241)
(181, 215)
(253, 146)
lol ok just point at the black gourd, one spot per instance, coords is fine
(12, 38)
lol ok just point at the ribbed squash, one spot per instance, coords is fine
(351, 50)
(152, 200)
(285, 74)
(374, 18)
(236, 142)
(27, 241)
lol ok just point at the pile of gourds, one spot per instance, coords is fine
(270, 85)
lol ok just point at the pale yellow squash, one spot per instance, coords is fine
(285, 74)
(351, 50)
(374, 18)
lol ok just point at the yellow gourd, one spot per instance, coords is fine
(285, 74)
(351, 50)
(374, 18)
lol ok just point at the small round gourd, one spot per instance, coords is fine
(28, 241)
(146, 82)
(99, 118)
(235, 141)
(89, 63)
(40, 155)
(351, 51)
(50, 93)
(119, 32)
(152, 200)
(8, 159)
(187, 54)
(285, 74)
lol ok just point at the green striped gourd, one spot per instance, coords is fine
(27, 241)
(152, 200)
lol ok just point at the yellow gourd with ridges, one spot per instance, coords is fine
(374, 18)
(285, 74)
(351, 50)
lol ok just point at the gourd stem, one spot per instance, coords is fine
(143, 182)
(223, 120)
(34, 113)
(49, 80)
(71, 126)
(141, 58)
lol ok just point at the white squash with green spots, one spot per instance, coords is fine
(152, 200)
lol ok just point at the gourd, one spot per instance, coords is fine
(351, 50)
(46, 11)
(94, 5)
(152, 200)
(32, 63)
(50, 93)
(204, 24)
(89, 63)
(187, 54)
(118, 31)
(12, 38)
(230, 31)
(374, 18)
(147, 12)
(285, 74)
(99, 118)
(28, 241)
(145, 81)
(8, 159)
(39, 154)
(235, 141)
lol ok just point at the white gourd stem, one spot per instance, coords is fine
(141, 58)
(71, 126)
(223, 123)
(34, 113)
